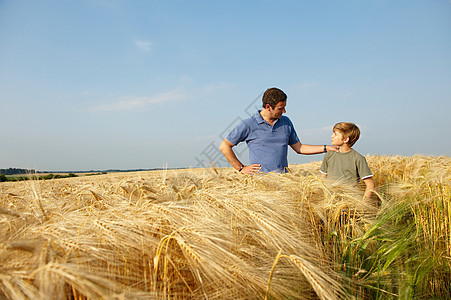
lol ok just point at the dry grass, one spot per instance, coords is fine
(206, 233)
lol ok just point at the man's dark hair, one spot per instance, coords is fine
(273, 96)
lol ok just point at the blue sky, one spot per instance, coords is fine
(97, 84)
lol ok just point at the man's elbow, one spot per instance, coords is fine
(221, 147)
(225, 145)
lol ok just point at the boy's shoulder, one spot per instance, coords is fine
(353, 154)
(356, 153)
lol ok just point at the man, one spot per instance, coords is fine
(268, 134)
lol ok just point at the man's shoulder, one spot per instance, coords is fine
(285, 120)
(248, 123)
(251, 120)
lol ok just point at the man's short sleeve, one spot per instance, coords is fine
(293, 139)
(239, 134)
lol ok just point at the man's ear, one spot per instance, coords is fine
(346, 140)
(267, 106)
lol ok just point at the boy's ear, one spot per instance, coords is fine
(346, 140)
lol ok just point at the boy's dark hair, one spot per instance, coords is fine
(348, 130)
(273, 96)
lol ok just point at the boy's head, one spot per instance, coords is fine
(348, 130)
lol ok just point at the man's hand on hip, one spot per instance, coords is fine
(255, 168)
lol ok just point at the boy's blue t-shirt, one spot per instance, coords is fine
(268, 145)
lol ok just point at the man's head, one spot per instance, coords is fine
(273, 96)
(349, 132)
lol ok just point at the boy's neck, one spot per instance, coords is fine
(345, 148)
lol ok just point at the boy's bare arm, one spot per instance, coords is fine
(369, 187)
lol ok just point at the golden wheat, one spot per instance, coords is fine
(207, 233)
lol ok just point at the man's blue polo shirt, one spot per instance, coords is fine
(268, 145)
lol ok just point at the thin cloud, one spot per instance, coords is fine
(203, 139)
(318, 131)
(314, 134)
(145, 46)
(307, 85)
(215, 87)
(129, 103)
(348, 95)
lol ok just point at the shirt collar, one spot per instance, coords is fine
(258, 117)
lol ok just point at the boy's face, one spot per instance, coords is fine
(337, 138)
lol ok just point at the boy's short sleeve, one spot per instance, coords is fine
(324, 165)
(363, 168)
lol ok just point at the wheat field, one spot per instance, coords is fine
(216, 234)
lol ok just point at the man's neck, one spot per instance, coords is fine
(266, 117)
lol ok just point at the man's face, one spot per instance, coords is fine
(278, 110)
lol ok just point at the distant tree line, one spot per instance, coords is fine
(16, 171)
(3, 177)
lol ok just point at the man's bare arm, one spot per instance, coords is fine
(226, 149)
(312, 149)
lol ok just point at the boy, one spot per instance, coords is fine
(347, 165)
